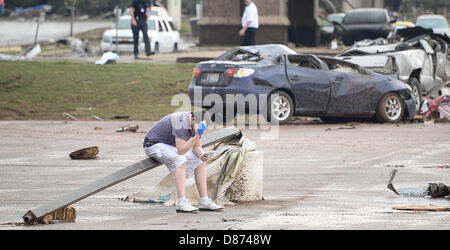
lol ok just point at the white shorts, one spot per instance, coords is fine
(168, 155)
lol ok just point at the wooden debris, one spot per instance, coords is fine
(85, 153)
(67, 214)
(423, 208)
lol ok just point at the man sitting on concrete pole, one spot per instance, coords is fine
(175, 140)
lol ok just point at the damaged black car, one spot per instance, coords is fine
(366, 23)
(281, 84)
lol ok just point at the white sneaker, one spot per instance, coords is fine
(185, 207)
(209, 205)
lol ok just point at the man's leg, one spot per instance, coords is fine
(144, 29)
(200, 180)
(180, 181)
(249, 37)
(177, 165)
(135, 30)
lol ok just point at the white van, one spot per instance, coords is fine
(161, 31)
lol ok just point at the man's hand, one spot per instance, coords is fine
(204, 157)
(242, 32)
(133, 22)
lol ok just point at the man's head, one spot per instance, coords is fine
(197, 117)
(247, 2)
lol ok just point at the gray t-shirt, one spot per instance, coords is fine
(169, 127)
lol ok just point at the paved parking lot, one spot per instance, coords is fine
(316, 176)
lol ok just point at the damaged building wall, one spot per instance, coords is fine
(221, 22)
(304, 29)
(280, 20)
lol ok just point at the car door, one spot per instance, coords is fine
(352, 90)
(174, 35)
(310, 83)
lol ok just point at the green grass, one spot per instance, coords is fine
(45, 90)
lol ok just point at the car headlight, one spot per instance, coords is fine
(243, 72)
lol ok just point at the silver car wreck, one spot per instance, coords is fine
(422, 62)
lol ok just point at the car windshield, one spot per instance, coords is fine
(151, 24)
(364, 17)
(430, 23)
(123, 24)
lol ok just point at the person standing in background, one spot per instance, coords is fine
(250, 24)
(140, 11)
(2, 7)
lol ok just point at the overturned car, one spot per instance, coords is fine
(423, 62)
(279, 83)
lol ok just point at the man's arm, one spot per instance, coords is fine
(242, 32)
(184, 146)
(133, 18)
(198, 151)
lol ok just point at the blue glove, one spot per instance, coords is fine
(201, 128)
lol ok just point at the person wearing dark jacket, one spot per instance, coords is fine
(140, 11)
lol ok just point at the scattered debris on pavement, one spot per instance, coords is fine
(342, 127)
(107, 58)
(132, 128)
(431, 208)
(67, 214)
(97, 118)
(117, 117)
(78, 46)
(70, 116)
(437, 108)
(27, 54)
(434, 190)
(85, 153)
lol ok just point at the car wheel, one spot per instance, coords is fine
(415, 91)
(280, 107)
(390, 109)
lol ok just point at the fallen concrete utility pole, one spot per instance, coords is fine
(138, 168)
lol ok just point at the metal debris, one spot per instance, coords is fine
(131, 128)
(433, 190)
(70, 116)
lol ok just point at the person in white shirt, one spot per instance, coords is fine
(250, 24)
